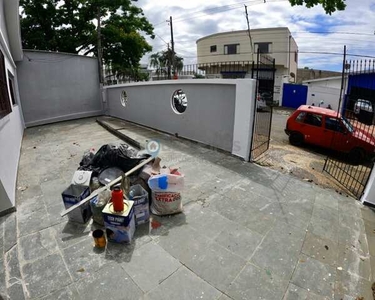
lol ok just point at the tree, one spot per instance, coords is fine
(69, 26)
(163, 62)
(329, 6)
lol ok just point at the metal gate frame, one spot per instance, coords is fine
(264, 73)
(353, 175)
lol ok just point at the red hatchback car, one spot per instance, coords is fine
(324, 128)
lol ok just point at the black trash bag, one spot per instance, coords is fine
(112, 156)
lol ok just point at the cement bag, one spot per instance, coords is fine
(166, 203)
(166, 197)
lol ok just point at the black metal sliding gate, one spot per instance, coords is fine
(353, 144)
(264, 73)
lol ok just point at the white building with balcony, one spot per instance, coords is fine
(218, 51)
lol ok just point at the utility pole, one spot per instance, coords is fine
(101, 79)
(248, 31)
(169, 64)
(172, 43)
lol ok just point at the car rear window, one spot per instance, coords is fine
(301, 117)
(313, 119)
(334, 124)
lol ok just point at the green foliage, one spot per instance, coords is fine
(329, 6)
(69, 26)
(163, 62)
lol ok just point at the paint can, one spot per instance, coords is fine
(99, 238)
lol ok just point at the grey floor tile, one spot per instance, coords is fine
(66, 293)
(15, 291)
(352, 286)
(10, 231)
(110, 282)
(279, 251)
(184, 243)
(325, 229)
(372, 262)
(314, 276)
(350, 207)
(45, 275)
(296, 293)
(12, 266)
(3, 289)
(52, 190)
(14, 278)
(224, 297)
(30, 205)
(243, 213)
(256, 283)
(150, 265)
(29, 193)
(184, 285)
(321, 212)
(324, 198)
(54, 213)
(356, 238)
(324, 250)
(212, 222)
(69, 233)
(368, 214)
(216, 265)
(32, 222)
(37, 245)
(354, 262)
(239, 240)
(83, 258)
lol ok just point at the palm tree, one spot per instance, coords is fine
(157, 62)
(164, 60)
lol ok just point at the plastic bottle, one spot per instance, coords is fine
(166, 182)
(118, 199)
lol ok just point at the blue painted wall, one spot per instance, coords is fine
(294, 95)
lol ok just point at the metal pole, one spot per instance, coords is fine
(172, 41)
(338, 108)
(100, 62)
(248, 30)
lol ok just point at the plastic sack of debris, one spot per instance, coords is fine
(166, 197)
(97, 205)
(166, 182)
(122, 156)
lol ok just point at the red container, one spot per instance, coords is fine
(118, 199)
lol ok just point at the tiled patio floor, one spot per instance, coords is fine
(246, 232)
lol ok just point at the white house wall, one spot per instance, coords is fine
(279, 37)
(330, 96)
(219, 111)
(11, 130)
(328, 82)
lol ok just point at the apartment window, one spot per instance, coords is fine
(11, 88)
(296, 56)
(213, 48)
(263, 47)
(232, 49)
(5, 107)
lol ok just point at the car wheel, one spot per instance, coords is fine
(357, 155)
(296, 139)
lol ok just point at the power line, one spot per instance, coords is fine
(160, 38)
(218, 9)
(286, 52)
(335, 32)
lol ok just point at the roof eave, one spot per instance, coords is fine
(12, 19)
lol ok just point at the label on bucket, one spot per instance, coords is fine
(166, 203)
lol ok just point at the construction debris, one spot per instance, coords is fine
(119, 187)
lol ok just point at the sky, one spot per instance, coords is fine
(354, 27)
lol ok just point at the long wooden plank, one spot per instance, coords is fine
(119, 134)
(107, 186)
